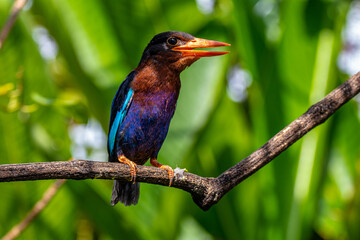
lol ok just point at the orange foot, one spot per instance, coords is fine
(131, 164)
(170, 171)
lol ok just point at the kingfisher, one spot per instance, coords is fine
(145, 104)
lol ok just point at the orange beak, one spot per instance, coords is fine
(187, 49)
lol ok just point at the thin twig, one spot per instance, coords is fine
(205, 191)
(16, 8)
(39, 206)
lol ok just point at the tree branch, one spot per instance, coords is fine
(205, 191)
(39, 206)
(15, 10)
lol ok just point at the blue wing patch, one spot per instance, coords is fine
(119, 119)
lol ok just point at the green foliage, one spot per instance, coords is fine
(290, 49)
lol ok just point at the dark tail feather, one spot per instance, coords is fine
(126, 193)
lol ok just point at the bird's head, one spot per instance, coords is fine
(177, 49)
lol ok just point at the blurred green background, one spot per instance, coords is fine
(64, 60)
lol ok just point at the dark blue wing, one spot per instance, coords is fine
(119, 109)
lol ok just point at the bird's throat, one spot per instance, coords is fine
(154, 77)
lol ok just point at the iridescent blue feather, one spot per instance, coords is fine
(119, 109)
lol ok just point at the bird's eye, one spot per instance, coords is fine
(172, 41)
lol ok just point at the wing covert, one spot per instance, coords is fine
(119, 109)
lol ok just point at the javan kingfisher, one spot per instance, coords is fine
(145, 103)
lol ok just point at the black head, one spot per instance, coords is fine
(175, 49)
(161, 45)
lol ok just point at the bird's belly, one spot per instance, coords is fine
(144, 130)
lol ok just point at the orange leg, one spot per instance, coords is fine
(170, 171)
(131, 164)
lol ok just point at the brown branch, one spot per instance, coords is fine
(39, 206)
(15, 10)
(205, 191)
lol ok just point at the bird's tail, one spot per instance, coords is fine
(126, 193)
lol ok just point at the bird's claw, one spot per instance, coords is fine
(155, 163)
(170, 172)
(132, 166)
